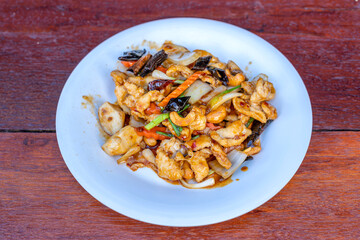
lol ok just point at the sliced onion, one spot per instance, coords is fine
(134, 123)
(197, 90)
(212, 94)
(236, 158)
(207, 183)
(215, 103)
(184, 58)
(160, 75)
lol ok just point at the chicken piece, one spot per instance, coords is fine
(144, 101)
(264, 90)
(199, 143)
(130, 101)
(168, 168)
(111, 118)
(234, 80)
(118, 76)
(138, 81)
(171, 145)
(220, 155)
(200, 120)
(121, 141)
(188, 173)
(231, 118)
(232, 135)
(179, 70)
(269, 110)
(217, 115)
(253, 110)
(248, 87)
(134, 90)
(199, 165)
(209, 79)
(244, 118)
(172, 49)
(120, 93)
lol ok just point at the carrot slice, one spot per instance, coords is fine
(180, 89)
(152, 109)
(128, 64)
(212, 126)
(141, 131)
(162, 69)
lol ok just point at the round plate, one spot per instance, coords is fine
(142, 195)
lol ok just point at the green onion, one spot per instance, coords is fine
(165, 134)
(186, 107)
(195, 137)
(161, 118)
(157, 121)
(179, 81)
(249, 122)
(217, 97)
(176, 128)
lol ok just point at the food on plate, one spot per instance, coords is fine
(185, 114)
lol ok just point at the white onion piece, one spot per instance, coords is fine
(215, 92)
(197, 90)
(184, 58)
(236, 158)
(135, 123)
(160, 75)
(207, 183)
(223, 99)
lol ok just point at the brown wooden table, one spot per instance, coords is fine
(42, 41)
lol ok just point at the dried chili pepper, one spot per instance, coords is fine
(159, 84)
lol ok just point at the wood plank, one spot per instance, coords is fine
(40, 198)
(32, 76)
(331, 19)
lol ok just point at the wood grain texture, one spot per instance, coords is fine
(39, 198)
(42, 41)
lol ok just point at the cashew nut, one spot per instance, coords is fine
(180, 121)
(150, 141)
(217, 115)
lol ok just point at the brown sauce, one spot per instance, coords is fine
(244, 169)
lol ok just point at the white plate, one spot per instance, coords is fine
(142, 195)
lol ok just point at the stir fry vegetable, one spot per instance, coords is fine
(180, 89)
(190, 117)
